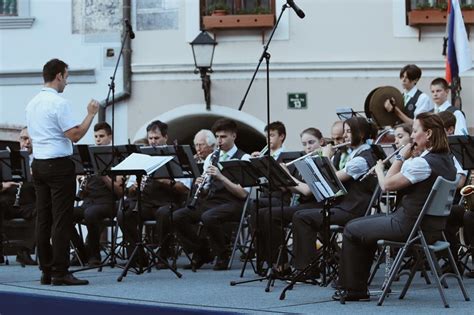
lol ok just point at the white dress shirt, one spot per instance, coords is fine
(461, 128)
(48, 116)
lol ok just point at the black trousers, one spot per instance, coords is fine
(92, 214)
(306, 225)
(128, 221)
(459, 217)
(268, 247)
(213, 213)
(55, 186)
(25, 233)
(360, 243)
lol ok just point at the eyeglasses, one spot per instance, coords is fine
(24, 138)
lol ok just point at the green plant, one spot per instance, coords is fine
(217, 5)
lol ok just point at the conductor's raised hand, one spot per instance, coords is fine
(93, 107)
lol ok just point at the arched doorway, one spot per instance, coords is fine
(184, 121)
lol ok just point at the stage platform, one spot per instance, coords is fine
(206, 292)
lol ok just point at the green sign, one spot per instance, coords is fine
(297, 101)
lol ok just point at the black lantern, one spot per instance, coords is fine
(203, 52)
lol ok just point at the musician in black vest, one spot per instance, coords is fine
(159, 196)
(413, 178)
(223, 204)
(439, 93)
(22, 205)
(415, 101)
(98, 204)
(307, 223)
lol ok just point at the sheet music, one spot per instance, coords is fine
(322, 185)
(138, 161)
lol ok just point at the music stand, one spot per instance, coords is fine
(82, 159)
(344, 113)
(98, 160)
(463, 149)
(139, 165)
(323, 182)
(15, 166)
(268, 173)
(286, 157)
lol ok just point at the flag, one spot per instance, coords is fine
(459, 58)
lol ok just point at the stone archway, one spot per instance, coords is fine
(184, 121)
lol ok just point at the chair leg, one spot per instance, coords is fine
(434, 270)
(457, 273)
(414, 268)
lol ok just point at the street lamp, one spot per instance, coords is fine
(203, 52)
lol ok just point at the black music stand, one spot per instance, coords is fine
(82, 159)
(182, 165)
(269, 174)
(15, 166)
(288, 156)
(323, 182)
(92, 159)
(463, 149)
(139, 165)
(344, 113)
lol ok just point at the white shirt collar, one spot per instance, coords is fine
(443, 107)
(412, 92)
(230, 153)
(48, 89)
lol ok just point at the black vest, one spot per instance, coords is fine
(359, 192)
(414, 196)
(453, 108)
(410, 107)
(219, 192)
(97, 191)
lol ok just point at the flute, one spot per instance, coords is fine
(384, 161)
(317, 151)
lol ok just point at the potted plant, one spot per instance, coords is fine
(218, 8)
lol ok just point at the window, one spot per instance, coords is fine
(15, 14)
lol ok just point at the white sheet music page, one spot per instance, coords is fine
(138, 161)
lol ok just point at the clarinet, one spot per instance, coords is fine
(81, 192)
(207, 179)
(142, 187)
(16, 204)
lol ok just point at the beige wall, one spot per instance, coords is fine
(340, 52)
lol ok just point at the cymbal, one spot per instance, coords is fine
(368, 114)
(377, 108)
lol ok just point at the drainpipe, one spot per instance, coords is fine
(127, 67)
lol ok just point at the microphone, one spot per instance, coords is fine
(130, 30)
(297, 9)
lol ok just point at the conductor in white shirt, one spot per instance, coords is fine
(53, 128)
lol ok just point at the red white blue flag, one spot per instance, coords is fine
(459, 58)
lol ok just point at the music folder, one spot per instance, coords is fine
(320, 176)
(137, 163)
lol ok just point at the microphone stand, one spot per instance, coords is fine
(265, 55)
(127, 35)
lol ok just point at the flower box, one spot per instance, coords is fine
(435, 17)
(238, 21)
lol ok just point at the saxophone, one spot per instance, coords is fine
(467, 193)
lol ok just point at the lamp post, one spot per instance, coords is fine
(203, 52)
